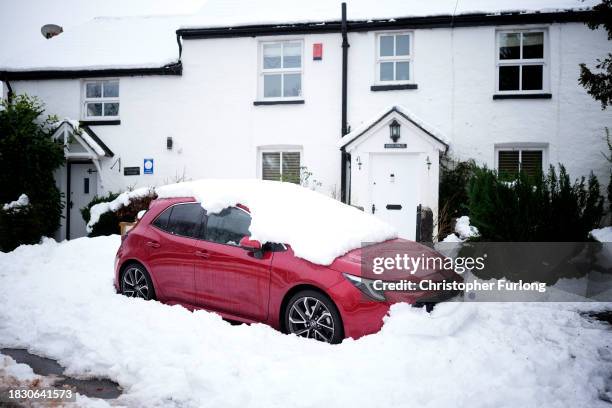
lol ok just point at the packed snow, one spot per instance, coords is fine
(278, 215)
(17, 205)
(57, 300)
(602, 234)
(463, 231)
(123, 200)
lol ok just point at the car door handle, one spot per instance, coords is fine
(152, 244)
(202, 254)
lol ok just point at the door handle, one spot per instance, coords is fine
(202, 254)
(152, 244)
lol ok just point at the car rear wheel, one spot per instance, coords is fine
(313, 315)
(136, 282)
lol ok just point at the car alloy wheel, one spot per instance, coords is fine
(309, 317)
(135, 283)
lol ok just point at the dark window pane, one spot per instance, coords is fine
(228, 227)
(271, 166)
(271, 56)
(402, 71)
(272, 85)
(532, 77)
(93, 90)
(531, 162)
(185, 220)
(94, 109)
(402, 45)
(386, 71)
(509, 46)
(162, 220)
(111, 90)
(111, 109)
(291, 167)
(386, 45)
(509, 78)
(508, 164)
(292, 85)
(292, 55)
(533, 45)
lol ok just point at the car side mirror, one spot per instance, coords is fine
(250, 244)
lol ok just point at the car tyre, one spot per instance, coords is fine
(311, 314)
(136, 282)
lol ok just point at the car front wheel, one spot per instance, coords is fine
(313, 315)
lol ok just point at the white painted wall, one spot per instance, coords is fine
(217, 130)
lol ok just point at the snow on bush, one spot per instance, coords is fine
(62, 305)
(602, 234)
(463, 231)
(123, 200)
(318, 228)
(17, 205)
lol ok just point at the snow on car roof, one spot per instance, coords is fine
(150, 41)
(317, 227)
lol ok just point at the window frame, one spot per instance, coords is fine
(409, 58)
(85, 100)
(280, 150)
(520, 147)
(261, 72)
(544, 61)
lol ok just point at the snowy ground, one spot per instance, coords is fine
(58, 301)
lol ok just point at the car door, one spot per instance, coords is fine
(232, 280)
(172, 247)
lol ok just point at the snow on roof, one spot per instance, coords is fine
(317, 227)
(86, 135)
(364, 126)
(102, 43)
(232, 13)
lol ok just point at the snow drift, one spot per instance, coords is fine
(318, 228)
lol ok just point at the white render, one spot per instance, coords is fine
(219, 133)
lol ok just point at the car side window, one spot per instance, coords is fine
(161, 221)
(227, 227)
(184, 220)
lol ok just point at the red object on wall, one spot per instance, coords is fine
(317, 51)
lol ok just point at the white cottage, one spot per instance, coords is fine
(366, 102)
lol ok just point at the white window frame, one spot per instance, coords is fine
(402, 58)
(85, 100)
(281, 150)
(262, 71)
(522, 62)
(521, 147)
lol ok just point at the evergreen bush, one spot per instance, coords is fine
(108, 223)
(28, 158)
(453, 192)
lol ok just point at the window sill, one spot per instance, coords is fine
(280, 102)
(523, 96)
(395, 87)
(100, 122)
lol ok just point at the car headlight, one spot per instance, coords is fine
(366, 286)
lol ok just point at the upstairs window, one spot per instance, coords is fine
(521, 61)
(511, 161)
(394, 57)
(281, 166)
(101, 99)
(281, 70)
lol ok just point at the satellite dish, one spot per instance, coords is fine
(51, 30)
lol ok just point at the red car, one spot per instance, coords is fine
(178, 254)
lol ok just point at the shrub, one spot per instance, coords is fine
(453, 193)
(28, 158)
(534, 208)
(108, 223)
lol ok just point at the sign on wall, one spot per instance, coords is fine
(131, 171)
(148, 166)
(395, 145)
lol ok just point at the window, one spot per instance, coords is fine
(512, 161)
(281, 166)
(181, 219)
(281, 70)
(521, 62)
(228, 227)
(101, 99)
(394, 57)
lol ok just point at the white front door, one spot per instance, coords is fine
(394, 190)
(83, 188)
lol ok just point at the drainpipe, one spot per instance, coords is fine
(9, 93)
(345, 157)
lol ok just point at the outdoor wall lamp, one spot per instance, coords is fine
(358, 161)
(394, 129)
(428, 163)
(169, 143)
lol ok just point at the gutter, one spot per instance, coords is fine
(345, 157)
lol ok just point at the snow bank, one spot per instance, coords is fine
(58, 301)
(17, 205)
(318, 228)
(602, 234)
(123, 200)
(463, 231)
